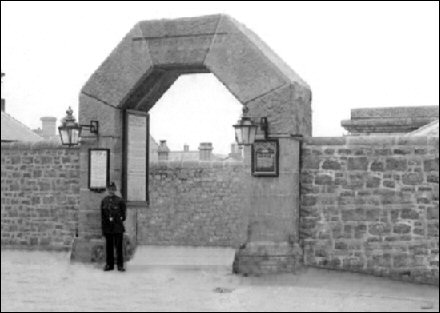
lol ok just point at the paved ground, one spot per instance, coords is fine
(189, 279)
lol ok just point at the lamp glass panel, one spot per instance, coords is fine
(252, 134)
(238, 135)
(245, 130)
(64, 133)
(74, 136)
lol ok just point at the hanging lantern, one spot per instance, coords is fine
(245, 131)
(69, 130)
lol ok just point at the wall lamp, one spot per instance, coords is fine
(246, 128)
(70, 131)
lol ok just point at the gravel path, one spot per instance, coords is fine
(165, 279)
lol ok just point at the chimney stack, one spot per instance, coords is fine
(163, 151)
(49, 124)
(205, 151)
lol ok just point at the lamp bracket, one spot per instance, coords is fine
(93, 127)
(262, 123)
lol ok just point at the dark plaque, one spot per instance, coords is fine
(99, 167)
(265, 158)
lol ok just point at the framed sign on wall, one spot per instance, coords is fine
(136, 157)
(99, 169)
(265, 158)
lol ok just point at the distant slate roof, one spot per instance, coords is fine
(432, 129)
(14, 130)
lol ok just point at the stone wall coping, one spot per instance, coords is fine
(372, 141)
(395, 112)
(195, 164)
(39, 145)
(401, 121)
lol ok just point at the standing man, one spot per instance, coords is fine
(113, 215)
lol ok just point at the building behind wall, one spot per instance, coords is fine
(391, 120)
(203, 153)
(48, 129)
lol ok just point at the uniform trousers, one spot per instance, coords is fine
(113, 240)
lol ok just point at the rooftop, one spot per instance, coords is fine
(14, 130)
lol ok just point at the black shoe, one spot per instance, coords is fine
(121, 269)
(108, 268)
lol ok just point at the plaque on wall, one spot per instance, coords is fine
(99, 168)
(265, 158)
(136, 157)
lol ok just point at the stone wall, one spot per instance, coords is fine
(368, 204)
(371, 204)
(196, 204)
(39, 195)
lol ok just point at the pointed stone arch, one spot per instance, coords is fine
(149, 60)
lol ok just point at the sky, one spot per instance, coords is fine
(352, 54)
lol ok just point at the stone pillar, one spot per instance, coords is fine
(205, 151)
(272, 243)
(163, 151)
(89, 245)
(48, 125)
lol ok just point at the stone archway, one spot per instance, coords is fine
(148, 61)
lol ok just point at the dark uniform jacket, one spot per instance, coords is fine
(113, 214)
